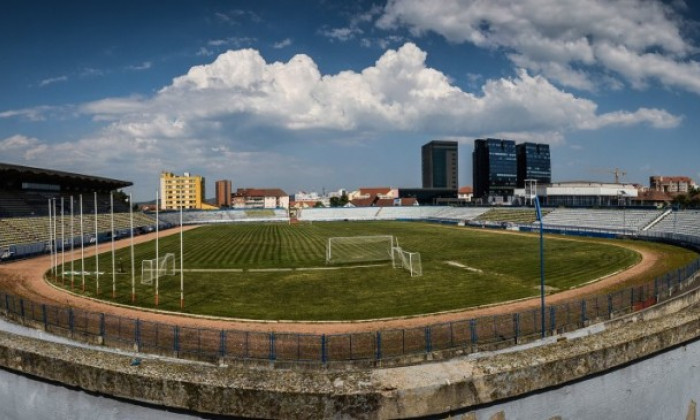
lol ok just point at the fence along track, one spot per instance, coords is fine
(398, 345)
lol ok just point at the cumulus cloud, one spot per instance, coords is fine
(399, 92)
(573, 42)
(234, 111)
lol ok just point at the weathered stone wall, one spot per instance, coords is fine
(473, 386)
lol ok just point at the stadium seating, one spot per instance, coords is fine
(514, 215)
(443, 213)
(26, 204)
(224, 216)
(606, 219)
(29, 230)
(684, 222)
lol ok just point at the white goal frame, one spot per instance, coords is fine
(166, 267)
(408, 260)
(343, 249)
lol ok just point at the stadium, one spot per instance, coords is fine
(330, 297)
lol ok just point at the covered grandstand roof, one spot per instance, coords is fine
(13, 176)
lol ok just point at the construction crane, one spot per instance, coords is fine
(618, 174)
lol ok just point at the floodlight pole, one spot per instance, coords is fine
(55, 238)
(133, 268)
(51, 239)
(82, 245)
(157, 228)
(114, 264)
(72, 245)
(97, 258)
(63, 243)
(539, 217)
(182, 272)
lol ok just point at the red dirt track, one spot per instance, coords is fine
(25, 278)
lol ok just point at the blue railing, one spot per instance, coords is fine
(467, 335)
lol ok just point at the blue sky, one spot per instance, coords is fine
(312, 95)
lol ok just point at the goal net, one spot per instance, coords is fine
(165, 267)
(408, 260)
(345, 249)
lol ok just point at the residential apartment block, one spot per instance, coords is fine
(186, 191)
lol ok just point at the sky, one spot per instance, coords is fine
(318, 95)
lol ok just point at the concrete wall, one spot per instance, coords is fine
(641, 366)
(662, 387)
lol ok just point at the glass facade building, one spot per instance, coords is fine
(439, 164)
(534, 163)
(495, 167)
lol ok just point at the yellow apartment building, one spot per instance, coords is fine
(186, 191)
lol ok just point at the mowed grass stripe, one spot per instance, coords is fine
(502, 267)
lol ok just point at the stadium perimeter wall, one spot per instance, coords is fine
(643, 365)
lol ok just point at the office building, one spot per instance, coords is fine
(223, 193)
(533, 163)
(439, 164)
(495, 168)
(185, 191)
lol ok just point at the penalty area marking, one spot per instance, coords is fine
(466, 267)
(280, 269)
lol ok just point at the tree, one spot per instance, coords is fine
(339, 201)
(318, 204)
(121, 196)
(690, 200)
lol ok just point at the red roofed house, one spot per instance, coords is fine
(266, 198)
(465, 193)
(375, 192)
(383, 202)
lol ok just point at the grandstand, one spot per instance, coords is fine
(437, 213)
(196, 217)
(685, 222)
(25, 193)
(516, 215)
(605, 219)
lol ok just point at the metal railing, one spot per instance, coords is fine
(396, 345)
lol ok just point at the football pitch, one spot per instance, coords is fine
(279, 271)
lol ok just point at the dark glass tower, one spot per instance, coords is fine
(495, 167)
(439, 163)
(534, 163)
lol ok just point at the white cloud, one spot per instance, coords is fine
(17, 142)
(202, 51)
(637, 40)
(341, 34)
(143, 66)
(234, 17)
(232, 112)
(399, 92)
(232, 42)
(91, 72)
(32, 114)
(110, 108)
(282, 44)
(53, 80)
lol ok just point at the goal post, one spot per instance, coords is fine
(343, 249)
(166, 267)
(408, 260)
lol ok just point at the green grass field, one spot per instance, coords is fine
(462, 268)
